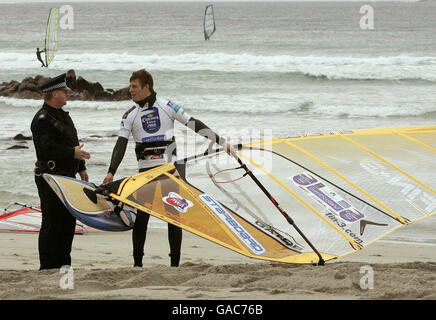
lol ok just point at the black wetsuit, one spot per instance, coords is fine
(55, 137)
(38, 55)
(141, 222)
(140, 232)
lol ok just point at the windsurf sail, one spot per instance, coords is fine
(51, 41)
(26, 218)
(306, 199)
(209, 26)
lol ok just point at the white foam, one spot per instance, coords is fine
(353, 103)
(331, 67)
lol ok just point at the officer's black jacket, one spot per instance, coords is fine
(54, 137)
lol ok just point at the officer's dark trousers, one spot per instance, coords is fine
(139, 234)
(57, 229)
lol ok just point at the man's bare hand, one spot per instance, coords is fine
(84, 175)
(109, 178)
(81, 154)
(231, 151)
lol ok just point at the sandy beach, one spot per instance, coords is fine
(102, 270)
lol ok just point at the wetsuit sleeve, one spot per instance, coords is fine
(118, 154)
(203, 130)
(82, 166)
(43, 135)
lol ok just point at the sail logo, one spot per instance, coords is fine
(328, 198)
(339, 211)
(249, 241)
(287, 240)
(178, 202)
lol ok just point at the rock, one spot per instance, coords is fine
(103, 96)
(17, 147)
(40, 80)
(122, 94)
(10, 88)
(71, 79)
(81, 84)
(22, 137)
(82, 89)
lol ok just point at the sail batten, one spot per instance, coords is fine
(417, 141)
(388, 163)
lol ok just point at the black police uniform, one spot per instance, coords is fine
(54, 137)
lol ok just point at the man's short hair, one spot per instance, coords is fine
(144, 78)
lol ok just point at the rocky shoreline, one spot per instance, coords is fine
(82, 89)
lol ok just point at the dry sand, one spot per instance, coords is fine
(102, 266)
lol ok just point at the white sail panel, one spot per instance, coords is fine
(209, 26)
(51, 41)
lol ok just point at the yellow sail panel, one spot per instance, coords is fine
(410, 160)
(427, 137)
(161, 196)
(424, 133)
(171, 199)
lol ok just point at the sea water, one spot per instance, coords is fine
(271, 69)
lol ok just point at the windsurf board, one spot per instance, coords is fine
(98, 214)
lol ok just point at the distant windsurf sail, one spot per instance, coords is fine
(306, 199)
(26, 218)
(209, 22)
(51, 41)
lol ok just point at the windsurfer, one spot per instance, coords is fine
(151, 122)
(38, 55)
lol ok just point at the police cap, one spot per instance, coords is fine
(56, 83)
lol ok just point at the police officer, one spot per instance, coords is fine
(151, 123)
(58, 152)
